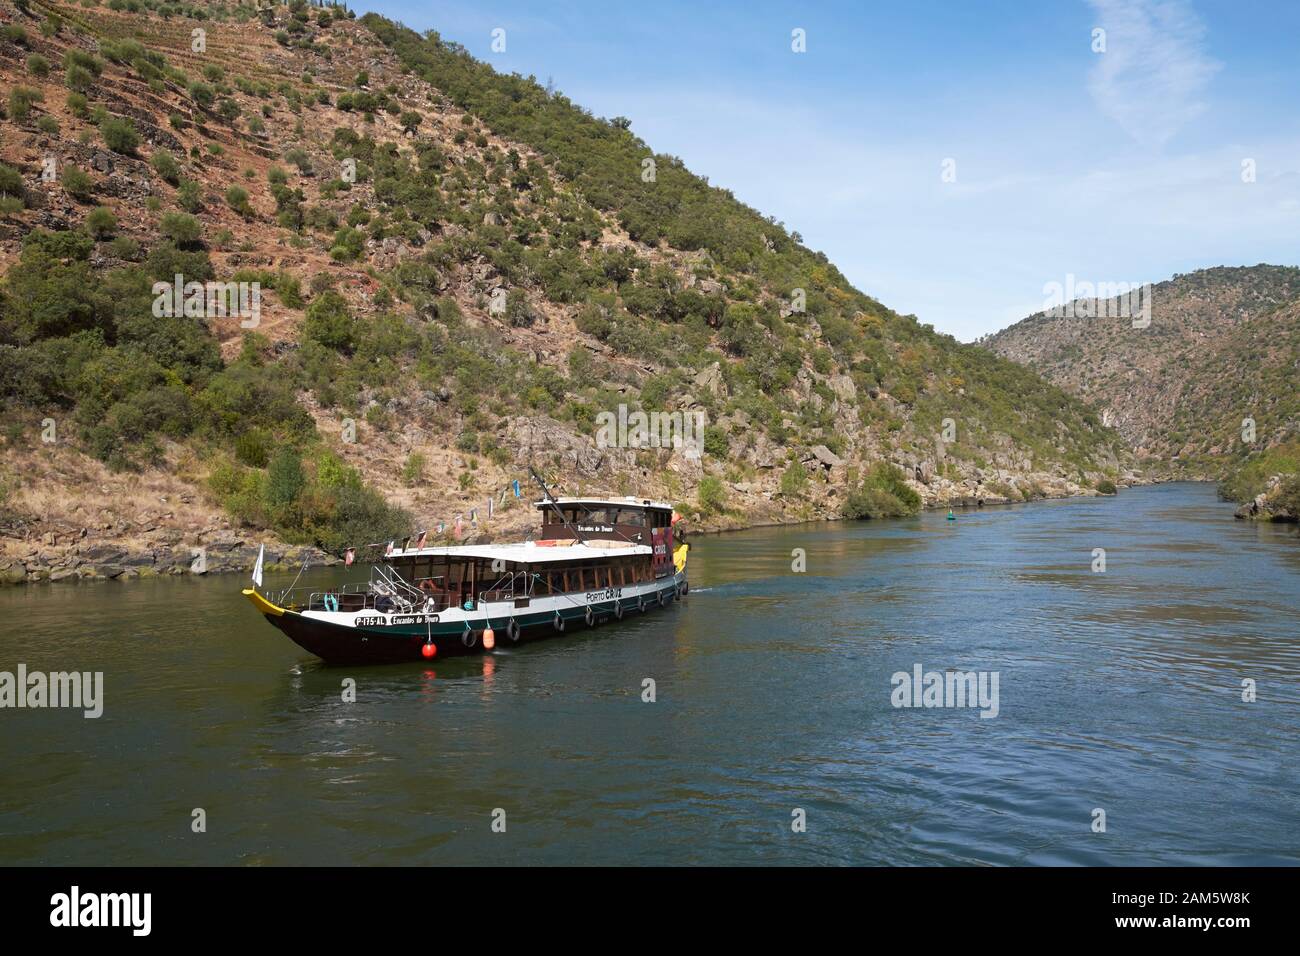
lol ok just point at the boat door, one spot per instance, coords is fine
(661, 540)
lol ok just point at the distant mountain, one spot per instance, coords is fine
(1222, 348)
(460, 272)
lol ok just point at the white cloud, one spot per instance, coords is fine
(1154, 71)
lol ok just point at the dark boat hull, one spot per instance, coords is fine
(337, 644)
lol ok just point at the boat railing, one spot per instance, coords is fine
(388, 591)
(307, 598)
(384, 580)
(385, 585)
(509, 587)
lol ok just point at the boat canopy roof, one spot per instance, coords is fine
(628, 502)
(527, 552)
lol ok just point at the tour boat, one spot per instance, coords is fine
(595, 560)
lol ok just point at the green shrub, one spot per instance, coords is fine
(715, 441)
(329, 323)
(253, 447)
(11, 182)
(883, 493)
(166, 166)
(80, 59)
(289, 289)
(348, 244)
(1106, 487)
(202, 94)
(78, 79)
(120, 135)
(124, 247)
(711, 495)
(299, 158)
(101, 223)
(38, 66)
(284, 482)
(78, 105)
(189, 195)
(519, 314)
(21, 99)
(181, 228)
(413, 469)
(794, 479)
(78, 183)
(237, 199)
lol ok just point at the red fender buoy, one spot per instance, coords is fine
(429, 649)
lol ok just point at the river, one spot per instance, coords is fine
(772, 736)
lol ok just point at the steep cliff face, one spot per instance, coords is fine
(459, 274)
(1211, 379)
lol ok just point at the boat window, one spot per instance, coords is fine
(632, 516)
(438, 571)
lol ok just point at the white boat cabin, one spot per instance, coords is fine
(585, 545)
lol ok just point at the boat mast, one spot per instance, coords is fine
(550, 500)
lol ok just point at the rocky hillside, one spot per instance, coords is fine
(1222, 347)
(459, 273)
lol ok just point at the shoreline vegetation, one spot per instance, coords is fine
(1266, 486)
(881, 494)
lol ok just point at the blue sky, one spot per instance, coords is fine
(1117, 166)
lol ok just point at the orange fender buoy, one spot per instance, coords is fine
(489, 639)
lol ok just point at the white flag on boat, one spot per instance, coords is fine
(257, 568)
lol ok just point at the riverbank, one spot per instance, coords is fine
(156, 548)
